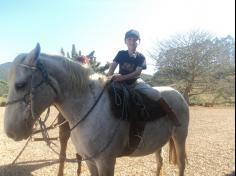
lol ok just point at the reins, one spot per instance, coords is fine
(45, 135)
(43, 128)
(90, 110)
(28, 100)
(45, 76)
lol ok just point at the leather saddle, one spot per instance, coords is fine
(133, 106)
(130, 104)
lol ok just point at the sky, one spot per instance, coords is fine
(100, 25)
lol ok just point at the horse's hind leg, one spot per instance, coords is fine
(179, 142)
(159, 160)
(64, 135)
(92, 168)
(106, 166)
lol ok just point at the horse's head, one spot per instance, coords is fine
(30, 93)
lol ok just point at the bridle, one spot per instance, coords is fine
(30, 102)
(28, 98)
(45, 79)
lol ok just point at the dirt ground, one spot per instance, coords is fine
(210, 150)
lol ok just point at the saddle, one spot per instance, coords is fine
(132, 105)
(135, 107)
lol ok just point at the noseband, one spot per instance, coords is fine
(29, 101)
(28, 98)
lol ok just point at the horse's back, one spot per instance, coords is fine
(176, 101)
(167, 90)
(171, 95)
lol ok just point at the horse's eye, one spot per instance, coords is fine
(20, 86)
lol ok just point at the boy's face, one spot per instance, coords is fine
(132, 43)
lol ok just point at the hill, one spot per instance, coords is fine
(4, 68)
(3, 88)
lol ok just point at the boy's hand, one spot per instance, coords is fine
(109, 77)
(118, 77)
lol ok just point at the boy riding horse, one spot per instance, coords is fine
(131, 63)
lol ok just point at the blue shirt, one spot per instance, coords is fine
(129, 64)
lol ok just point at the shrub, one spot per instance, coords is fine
(3, 101)
(195, 100)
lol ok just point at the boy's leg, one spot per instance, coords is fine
(155, 95)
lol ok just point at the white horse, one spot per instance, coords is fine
(37, 81)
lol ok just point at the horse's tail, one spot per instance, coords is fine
(173, 153)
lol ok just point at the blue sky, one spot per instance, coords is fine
(100, 25)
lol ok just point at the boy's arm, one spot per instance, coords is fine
(132, 75)
(112, 68)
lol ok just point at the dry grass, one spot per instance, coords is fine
(210, 149)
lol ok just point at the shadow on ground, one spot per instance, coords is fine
(231, 174)
(26, 168)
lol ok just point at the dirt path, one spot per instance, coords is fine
(210, 150)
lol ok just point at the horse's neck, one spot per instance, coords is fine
(76, 105)
(75, 102)
(63, 72)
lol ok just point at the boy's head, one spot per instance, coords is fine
(132, 33)
(132, 38)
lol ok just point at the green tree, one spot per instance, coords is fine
(190, 62)
(62, 52)
(3, 88)
(223, 73)
(74, 53)
(95, 65)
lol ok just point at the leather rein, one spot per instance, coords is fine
(28, 98)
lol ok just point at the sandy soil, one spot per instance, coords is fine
(210, 150)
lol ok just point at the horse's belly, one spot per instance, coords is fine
(156, 134)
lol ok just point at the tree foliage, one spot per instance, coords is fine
(3, 88)
(96, 66)
(196, 63)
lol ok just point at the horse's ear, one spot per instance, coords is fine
(32, 56)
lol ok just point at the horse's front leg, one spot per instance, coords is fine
(64, 135)
(79, 160)
(106, 167)
(159, 160)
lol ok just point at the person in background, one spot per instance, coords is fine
(83, 59)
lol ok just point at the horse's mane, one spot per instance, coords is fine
(78, 74)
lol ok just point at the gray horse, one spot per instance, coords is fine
(37, 81)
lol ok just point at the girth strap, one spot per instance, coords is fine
(135, 136)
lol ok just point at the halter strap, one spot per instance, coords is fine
(41, 68)
(45, 79)
(18, 100)
(29, 67)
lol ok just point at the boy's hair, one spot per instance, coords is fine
(132, 33)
